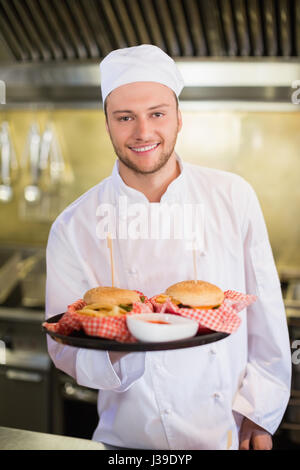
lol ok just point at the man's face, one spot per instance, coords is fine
(143, 123)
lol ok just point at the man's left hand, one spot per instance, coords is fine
(254, 437)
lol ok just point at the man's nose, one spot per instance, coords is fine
(142, 129)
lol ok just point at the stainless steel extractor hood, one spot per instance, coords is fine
(55, 30)
(213, 81)
(50, 49)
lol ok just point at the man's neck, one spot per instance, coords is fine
(154, 185)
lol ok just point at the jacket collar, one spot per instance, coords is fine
(173, 193)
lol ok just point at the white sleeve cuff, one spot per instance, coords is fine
(262, 400)
(95, 370)
(131, 368)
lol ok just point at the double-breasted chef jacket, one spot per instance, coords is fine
(185, 398)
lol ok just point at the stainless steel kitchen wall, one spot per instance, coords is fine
(263, 147)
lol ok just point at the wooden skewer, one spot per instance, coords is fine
(229, 439)
(195, 262)
(109, 245)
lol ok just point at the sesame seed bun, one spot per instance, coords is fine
(196, 294)
(111, 296)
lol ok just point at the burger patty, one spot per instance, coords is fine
(188, 306)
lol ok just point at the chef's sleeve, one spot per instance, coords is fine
(65, 284)
(265, 390)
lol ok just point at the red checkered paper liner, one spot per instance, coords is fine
(113, 328)
(224, 319)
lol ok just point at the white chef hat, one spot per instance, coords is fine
(144, 63)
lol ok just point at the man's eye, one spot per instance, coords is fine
(158, 114)
(124, 118)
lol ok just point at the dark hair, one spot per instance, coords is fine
(105, 103)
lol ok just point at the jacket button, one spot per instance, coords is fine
(132, 271)
(217, 396)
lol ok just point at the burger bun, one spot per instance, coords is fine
(196, 294)
(111, 296)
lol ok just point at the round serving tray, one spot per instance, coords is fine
(81, 340)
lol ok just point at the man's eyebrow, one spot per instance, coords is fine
(159, 106)
(149, 109)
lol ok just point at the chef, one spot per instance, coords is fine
(228, 394)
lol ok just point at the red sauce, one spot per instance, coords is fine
(159, 321)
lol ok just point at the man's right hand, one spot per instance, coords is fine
(115, 356)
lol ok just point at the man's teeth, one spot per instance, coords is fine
(144, 149)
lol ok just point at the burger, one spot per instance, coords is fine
(109, 301)
(193, 294)
(102, 312)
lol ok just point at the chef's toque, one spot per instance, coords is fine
(145, 63)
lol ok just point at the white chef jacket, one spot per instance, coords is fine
(186, 398)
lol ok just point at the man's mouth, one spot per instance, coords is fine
(145, 148)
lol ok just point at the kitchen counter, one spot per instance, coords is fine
(19, 439)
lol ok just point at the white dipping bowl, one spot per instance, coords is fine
(177, 327)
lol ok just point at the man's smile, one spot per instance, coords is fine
(144, 149)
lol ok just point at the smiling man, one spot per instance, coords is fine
(191, 398)
(144, 135)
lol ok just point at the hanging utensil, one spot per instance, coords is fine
(45, 148)
(8, 163)
(57, 163)
(32, 192)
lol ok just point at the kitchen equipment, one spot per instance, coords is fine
(9, 263)
(25, 377)
(17, 270)
(17, 439)
(292, 298)
(80, 339)
(51, 164)
(32, 192)
(33, 285)
(44, 196)
(74, 407)
(46, 140)
(59, 172)
(34, 394)
(8, 163)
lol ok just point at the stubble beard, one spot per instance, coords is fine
(164, 158)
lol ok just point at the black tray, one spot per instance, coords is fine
(81, 340)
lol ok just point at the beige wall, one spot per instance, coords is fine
(262, 147)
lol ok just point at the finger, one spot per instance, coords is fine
(245, 441)
(261, 441)
(244, 444)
